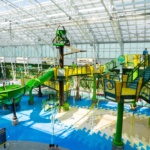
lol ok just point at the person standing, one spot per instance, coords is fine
(145, 52)
(73, 66)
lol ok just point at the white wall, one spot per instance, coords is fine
(10, 59)
(33, 60)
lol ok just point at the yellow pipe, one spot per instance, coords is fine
(146, 63)
(101, 69)
(55, 72)
(139, 88)
(124, 79)
(139, 58)
(92, 69)
(126, 60)
(135, 58)
(118, 90)
(22, 82)
(66, 72)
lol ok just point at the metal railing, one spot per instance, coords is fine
(145, 92)
(79, 70)
(110, 90)
(139, 70)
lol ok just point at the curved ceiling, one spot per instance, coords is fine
(26, 22)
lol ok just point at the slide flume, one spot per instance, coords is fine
(9, 92)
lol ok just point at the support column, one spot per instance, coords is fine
(94, 89)
(122, 47)
(31, 98)
(61, 82)
(77, 97)
(14, 117)
(117, 141)
(135, 62)
(40, 92)
(61, 93)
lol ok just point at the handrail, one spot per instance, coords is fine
(145, 64)
(144, 94)
(111, 65)
(119, 90)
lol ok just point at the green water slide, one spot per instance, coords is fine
(36, 82)
(9, 92)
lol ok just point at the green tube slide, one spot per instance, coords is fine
(36, 82)
(8, 92)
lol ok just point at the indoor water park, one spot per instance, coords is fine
(69, 81)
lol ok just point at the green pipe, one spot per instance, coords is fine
(117, 141)
(94, 89)
(31, 98)
(40, 92)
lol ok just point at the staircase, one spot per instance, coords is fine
(142, 70)
(145, 92)
(129, 87)
(144, 74)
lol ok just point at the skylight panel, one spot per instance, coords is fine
(42, 1)
(141, 39)
(91, 9)
(128, 7)
(123, 23)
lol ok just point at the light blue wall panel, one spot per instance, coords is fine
(2, 52)
(111, 50)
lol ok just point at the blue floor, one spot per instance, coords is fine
(34, 125)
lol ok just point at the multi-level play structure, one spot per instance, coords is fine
(121, 81)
